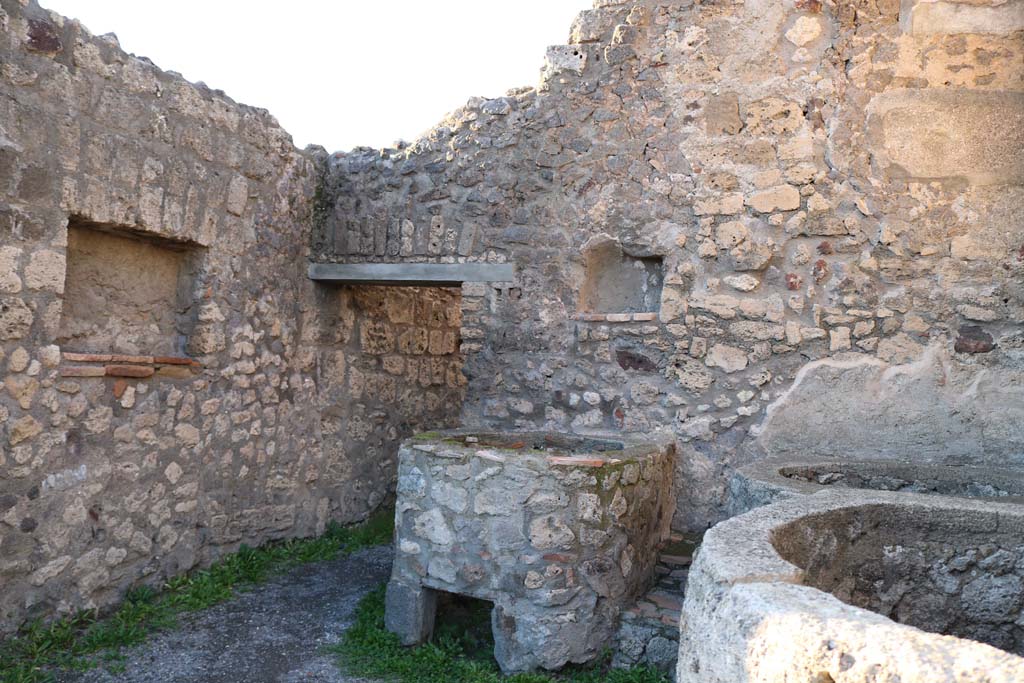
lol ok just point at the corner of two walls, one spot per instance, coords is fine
(173, 384)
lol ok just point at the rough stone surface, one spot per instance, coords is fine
(962, 130)
(649, 631)
(939, 408)
(758, 607)
(960, 16)
(559, 533)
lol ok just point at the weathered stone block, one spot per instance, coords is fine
(15, 318)
(83, 371)
(781, 198)
(564, 58)
(949, 134)
(409, 611)
(722, 114)
(924, 17)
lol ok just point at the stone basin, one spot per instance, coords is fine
(770, 480)
(857, 586)
(559, 531)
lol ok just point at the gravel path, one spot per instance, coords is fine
(271, 634)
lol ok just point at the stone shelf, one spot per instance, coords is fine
(411, 274)
(616, 317)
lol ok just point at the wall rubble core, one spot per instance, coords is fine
(832, 192)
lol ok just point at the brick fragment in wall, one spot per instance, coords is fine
(72, 357)
(173, 360)
(128, 371)
(973, 339)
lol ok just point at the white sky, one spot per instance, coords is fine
(341, 73)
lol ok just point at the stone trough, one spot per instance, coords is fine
(770, 480)
(856, 586)
(559, 532)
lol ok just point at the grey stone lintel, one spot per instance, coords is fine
(411, 274)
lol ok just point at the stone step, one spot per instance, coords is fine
(676, 560)
(665, 601)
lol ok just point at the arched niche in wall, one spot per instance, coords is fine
(616, 281)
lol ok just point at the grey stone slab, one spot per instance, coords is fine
(411, 274)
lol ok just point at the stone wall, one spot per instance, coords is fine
(824, 182)
(211, 394)
(830, 191)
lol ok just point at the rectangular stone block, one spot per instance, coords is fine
(467, 240)
(354, 237)
(949, 134)
(570, 461)
(410, 612)
(411, 274)
(924, 17)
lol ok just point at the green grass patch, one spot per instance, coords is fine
(85, 640)
(458, 653)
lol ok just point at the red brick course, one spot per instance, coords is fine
(138, 371)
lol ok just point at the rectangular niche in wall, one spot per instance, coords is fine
(125, 293)
(616, 282)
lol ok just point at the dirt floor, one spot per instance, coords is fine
(271, 634)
